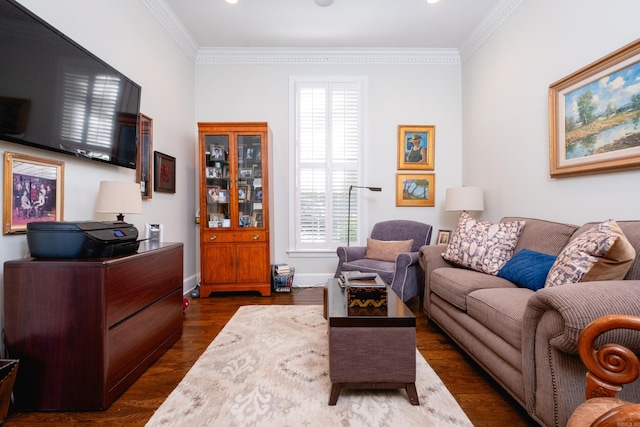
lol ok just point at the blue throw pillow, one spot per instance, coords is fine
(528, 269)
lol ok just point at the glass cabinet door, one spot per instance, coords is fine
(217, 176)
(249, 171)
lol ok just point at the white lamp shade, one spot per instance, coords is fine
(119, 198)
(464, 199)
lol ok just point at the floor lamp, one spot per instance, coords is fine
(351, 187)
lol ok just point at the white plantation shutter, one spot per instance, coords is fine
(89, 108)
(328, 131)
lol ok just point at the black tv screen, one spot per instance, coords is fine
(56, 95)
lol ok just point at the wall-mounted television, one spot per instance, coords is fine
(56, 95)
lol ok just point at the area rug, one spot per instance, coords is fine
(269, 367)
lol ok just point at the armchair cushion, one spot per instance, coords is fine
(600, 253)
(387, 250)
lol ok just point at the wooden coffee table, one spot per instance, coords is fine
(370, 352)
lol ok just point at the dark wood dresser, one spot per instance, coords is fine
(85, 330)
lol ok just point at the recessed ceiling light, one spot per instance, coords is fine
(231, 1)
(432, 1)
(324, 2)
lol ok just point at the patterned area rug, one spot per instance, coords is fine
(269, 367)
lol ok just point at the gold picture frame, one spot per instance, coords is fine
(33, 191)
(416, 147)
(593, 115)
(415, 189)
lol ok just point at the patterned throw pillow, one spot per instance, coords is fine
(387, 250)
(600, 253)
(482, 245)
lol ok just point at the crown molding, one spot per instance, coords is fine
(176, 29)
(395, 56)
(491, 23)
(328, 56)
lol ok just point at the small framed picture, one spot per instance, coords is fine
(443, 237)
(244, 192)
(217, 152)
(223, 196)
(164, 176)
(258, 194)
(213, 194)
(245, 173)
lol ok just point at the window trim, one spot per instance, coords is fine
(293, 251)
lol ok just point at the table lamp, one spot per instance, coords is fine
(119, 198)
(464, 199)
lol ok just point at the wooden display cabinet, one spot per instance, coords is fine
(235, 246)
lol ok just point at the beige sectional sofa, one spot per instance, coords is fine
(525, 339)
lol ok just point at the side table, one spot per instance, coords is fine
(370, 352)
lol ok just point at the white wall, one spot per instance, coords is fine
(125, 34)
(398, 94)
(505, 113)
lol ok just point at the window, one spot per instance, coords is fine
(328, 138)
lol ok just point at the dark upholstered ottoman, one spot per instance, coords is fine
(369, 352)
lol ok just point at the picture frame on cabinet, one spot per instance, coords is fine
(33, 191)
(225, 172)
(593, 115)
(145, 148)
(245, 173)
(223, 196)
(416, 147)
(415, 189)
(257, 171)
(164, 174)
(213, 194)
(217, 153)
(258, 194)
(244, 192)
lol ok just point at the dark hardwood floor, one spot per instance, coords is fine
(480, 397)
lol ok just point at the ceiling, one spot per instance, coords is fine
(355, 24)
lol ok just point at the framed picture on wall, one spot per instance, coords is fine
(33, 191)
(416, 147)
(415, 189)
(164, 176)
(594, 114)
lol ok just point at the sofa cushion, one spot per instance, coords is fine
(600, 253)
(454, 284)
(386, 250)
(542, 236)
(482, 245)
(528, 269)
(501, 311)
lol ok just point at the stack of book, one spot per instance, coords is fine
(282, 277)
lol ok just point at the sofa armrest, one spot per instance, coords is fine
(430, 258)
(552, 322)
(576, 306)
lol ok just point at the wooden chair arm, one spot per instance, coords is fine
(612, 364)
(625, 415)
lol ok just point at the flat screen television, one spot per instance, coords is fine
(56, 95)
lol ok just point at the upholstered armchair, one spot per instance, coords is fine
(610, 364)
(400, 270)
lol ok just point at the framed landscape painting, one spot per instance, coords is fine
(594, 116)
(415, 189)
